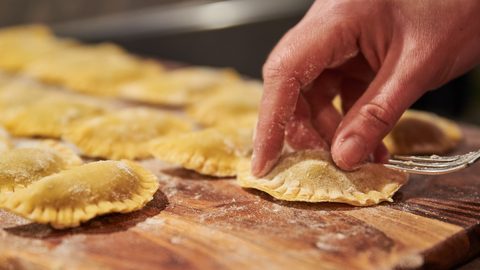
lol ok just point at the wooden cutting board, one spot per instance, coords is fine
(199, 222)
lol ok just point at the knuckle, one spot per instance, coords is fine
(276, 67)
(379, 117)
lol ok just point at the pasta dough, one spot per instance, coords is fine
(19, 168)
(95, 70)
(178, 87)
(124, 134)
(17, 93)
(312, 176)
(67, 198)
(213, 151)
(23, 44)
(5, 142)
(235, 104)
(422, 133)
(49, 117)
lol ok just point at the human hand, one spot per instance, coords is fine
(379, 55)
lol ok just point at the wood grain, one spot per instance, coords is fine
(199, 222)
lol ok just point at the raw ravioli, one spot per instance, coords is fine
(423, 133)
(312, 176)
(214, 151)
(73, 196)
(96, 70)
(21, 167)
(124, 134)
(49, 117)
(236, 104)
(21, 45)
(178, 87)
(5, 141)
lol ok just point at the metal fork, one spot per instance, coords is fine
(432, 164)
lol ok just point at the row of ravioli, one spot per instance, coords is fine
(100, 128)
(106, 69)
(211, 133)
(46, 182)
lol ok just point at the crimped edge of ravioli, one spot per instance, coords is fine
(68, 217)
(95, 147)
(163, 150)
(70, 158)
(79, 136)
(18, 127)
(279, 190)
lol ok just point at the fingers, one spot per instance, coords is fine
(299, 132)
(381, 154)
(298, 59)
(374, 114)
(324, 116)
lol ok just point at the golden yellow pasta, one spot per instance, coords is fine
(312, 176)
(73, 196)
(5, 142)
(234, 104)
(214, 151)
(15, 93)
(178, 87)
(23, 44)
(95, 70)
(49, 117)
(124, 134)
(423, 133)
(21, 167)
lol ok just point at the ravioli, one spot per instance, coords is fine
(49, 117)
(16, 93)
(178, 87)
(21, 167)
(94, 70)
(423, 133)
(5, 141)
(124, 134)
(21, 45)
(73, 196)
(214, 151)
(312, 176)
(234, 104)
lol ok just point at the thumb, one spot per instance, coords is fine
(372, 117)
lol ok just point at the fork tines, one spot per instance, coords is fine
(432, 164)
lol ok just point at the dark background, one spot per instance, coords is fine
(244, 46)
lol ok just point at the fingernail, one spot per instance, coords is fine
(351, 152)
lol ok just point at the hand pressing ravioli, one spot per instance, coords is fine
(22, 167)
(73, 196)
(214, 151)
(124, 134)
(178, 87)
(233, 104)
(423, 133)
(312, 176)
(50, 117)
(95, 70)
